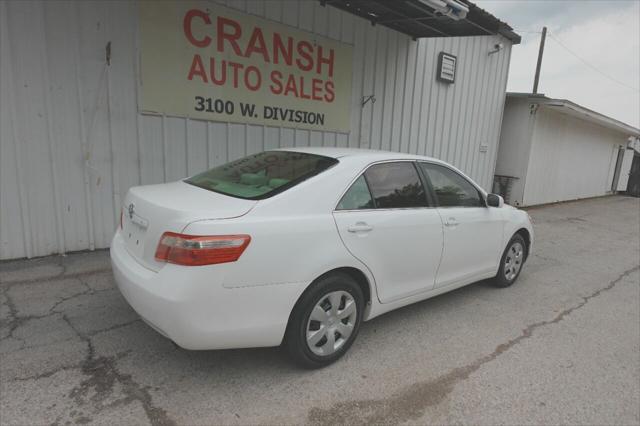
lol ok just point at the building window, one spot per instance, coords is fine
(446, 68)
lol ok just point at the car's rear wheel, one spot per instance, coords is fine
(511, 262)
(325, 321)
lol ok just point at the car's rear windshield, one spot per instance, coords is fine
(262, 175)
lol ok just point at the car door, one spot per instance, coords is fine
(472, 231)
(386, 221)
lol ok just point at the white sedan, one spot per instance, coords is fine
(300, 246)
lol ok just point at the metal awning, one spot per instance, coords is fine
(418, 20)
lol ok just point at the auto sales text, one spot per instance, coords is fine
(311, 65)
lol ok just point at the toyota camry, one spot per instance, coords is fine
(297, 247)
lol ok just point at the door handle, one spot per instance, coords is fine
(451, 222)
(360, 227)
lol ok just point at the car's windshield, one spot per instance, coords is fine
(262, 175)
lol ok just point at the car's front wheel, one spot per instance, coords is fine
(325, 321)
(511, 262)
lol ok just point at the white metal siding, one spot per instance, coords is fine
(570, 159)
(515, 145)
(72, 141)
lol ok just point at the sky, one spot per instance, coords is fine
(604, 33)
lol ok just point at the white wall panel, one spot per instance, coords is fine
(515, 146)
(72, 141)
(15, 235)
(570, 159)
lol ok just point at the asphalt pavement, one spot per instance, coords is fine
(560, 346)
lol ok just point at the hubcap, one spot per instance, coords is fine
(331, 322)
(513, 261)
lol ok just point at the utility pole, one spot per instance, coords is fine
(540, 53)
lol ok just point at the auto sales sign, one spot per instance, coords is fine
(205, 61)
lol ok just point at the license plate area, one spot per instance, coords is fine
(134, 230)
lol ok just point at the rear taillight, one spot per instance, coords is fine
(194, 250)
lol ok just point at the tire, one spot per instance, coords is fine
(511, 262)
(334, 289)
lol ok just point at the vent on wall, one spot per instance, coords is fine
(446, 68)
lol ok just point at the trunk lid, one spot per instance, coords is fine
(149, 211)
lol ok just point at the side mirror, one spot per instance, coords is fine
(494, 200)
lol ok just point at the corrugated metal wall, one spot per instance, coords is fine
(72, 142)
(512, 161)
(562, 148)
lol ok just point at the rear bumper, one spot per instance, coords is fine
(191, 307)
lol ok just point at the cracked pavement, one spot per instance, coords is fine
(560, 346)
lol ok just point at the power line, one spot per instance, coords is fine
(593, 67)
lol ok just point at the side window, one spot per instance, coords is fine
(396, 185)
(357, 197)
(451, 189)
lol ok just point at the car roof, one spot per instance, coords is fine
(357, 152)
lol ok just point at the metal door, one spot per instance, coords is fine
(633, 186)
(616, 173)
